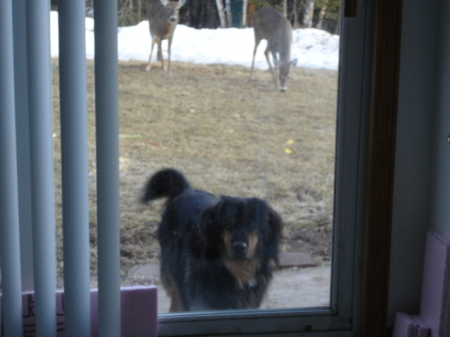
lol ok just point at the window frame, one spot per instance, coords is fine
(342, 317)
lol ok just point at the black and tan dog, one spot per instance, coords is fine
(216, 253)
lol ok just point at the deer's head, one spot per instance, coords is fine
(172, 8)
(283, 72)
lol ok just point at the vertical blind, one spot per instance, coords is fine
(74, 164)
(9, 214)
(41, 164)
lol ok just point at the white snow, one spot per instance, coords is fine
(313, 48)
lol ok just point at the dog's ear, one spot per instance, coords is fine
(211, 232)
(208, 219)
(273, 227)
(213, 217)
(275, 224)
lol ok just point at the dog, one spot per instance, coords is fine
(217, 253)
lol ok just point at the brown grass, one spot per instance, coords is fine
(228, 136)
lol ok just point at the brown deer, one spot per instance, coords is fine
(270, 25)
(163, 19)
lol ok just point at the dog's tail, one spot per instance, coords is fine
(165, 183)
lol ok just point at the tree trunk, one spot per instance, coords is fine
(294, 14)
(244, 13)
(221, 13)
(308, 14)
(285, 8)
(321, 16)
(139, 10)
(228, 12)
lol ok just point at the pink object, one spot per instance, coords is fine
(436, 276)
(138, 311)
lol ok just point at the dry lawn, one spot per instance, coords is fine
(228, 136)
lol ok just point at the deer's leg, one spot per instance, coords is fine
(266, 53)
(149, 65)
(276, 68)
(253, 60)
(169, 51)
(160, 56)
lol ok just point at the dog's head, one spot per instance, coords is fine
(243, 228)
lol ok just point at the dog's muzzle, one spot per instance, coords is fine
(239, 248)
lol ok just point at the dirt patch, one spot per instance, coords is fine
(228, 136)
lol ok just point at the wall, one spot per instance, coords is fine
(440, 211)
(412, 189)
(440, 205)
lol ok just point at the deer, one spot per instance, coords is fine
(270, 25)
(163, 19)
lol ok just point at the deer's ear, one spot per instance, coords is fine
(164, 2)
(293, 62)
(181, 3)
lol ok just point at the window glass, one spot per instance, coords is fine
(268, 137)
